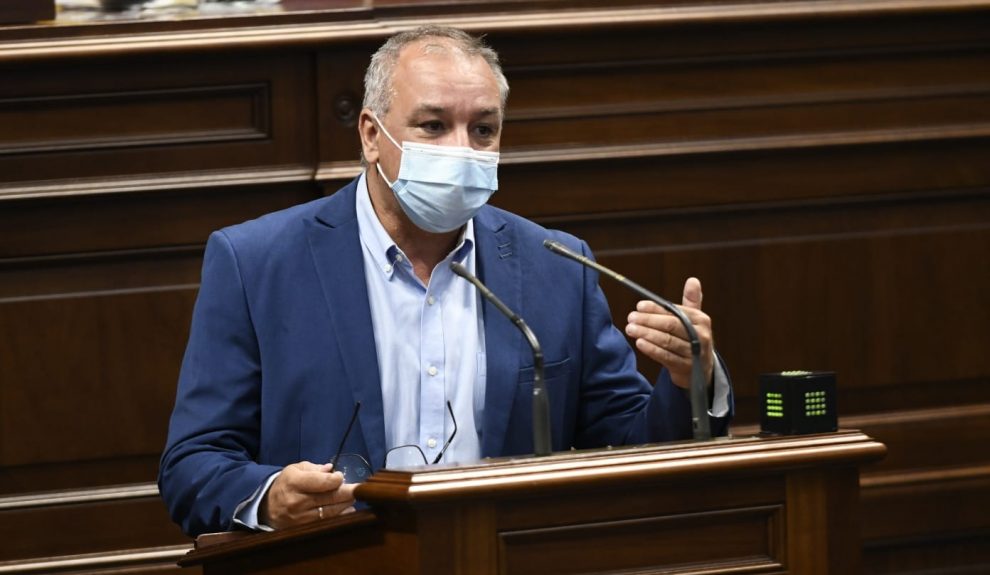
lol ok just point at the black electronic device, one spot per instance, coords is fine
(797, 402)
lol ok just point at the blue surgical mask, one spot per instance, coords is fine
(440, 188)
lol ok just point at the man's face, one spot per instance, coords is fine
(442, 97)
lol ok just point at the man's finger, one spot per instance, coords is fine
(692, 294)
(308, 466)
(342, 496)
(668, 359)
(661, 338)
(693, 313)
(335, 509)
(662, 322)
(314, 481)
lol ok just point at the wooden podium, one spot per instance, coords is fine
(735, 505)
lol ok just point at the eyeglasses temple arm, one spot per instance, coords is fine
(449, 439)
(340, 448)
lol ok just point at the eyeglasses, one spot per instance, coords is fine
(356, 469)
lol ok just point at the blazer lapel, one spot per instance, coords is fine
(498, 268)
(336, 249)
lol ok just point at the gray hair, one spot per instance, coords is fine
(378, 79)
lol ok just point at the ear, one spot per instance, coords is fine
(369, 132)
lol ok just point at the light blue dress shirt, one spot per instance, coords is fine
(430, 343)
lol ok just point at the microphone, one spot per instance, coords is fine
(699, 397)
(541, 403)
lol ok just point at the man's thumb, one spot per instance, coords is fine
(692, 293)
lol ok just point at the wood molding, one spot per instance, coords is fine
(377, 27)
(215, 545)
(926, 477)
(70, 496)
(157, 182)
(915, 416)
(130, 558)
(719, 457)
(741, 145)
(256, 125)
(743, 102)
(527, 550)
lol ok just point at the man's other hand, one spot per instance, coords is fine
(662, 338)
(305, 492)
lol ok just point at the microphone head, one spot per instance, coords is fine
(459, 269)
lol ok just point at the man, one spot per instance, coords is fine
(306, 313)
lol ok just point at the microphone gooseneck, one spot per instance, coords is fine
(699, 397)
(541, 403)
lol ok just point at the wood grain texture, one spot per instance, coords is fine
(788, 509)
(745, 536)
(822, 165)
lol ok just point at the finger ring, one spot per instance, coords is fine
(319, 510)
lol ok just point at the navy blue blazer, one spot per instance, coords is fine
(281, 347)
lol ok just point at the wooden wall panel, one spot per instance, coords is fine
(96, 526)
(797, 97)
(155, 117)
(607, 546)
(156, 214)
(796, 296)
(43, 418)
(823, 167)
(173, 115)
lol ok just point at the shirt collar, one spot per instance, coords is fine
(384, 253)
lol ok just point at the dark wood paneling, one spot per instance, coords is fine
(822, 166)
(834, 301)
(175, 213)
(958, 555)
(804, 97)
(155, 118)
(630, 179)
(916, 439)
(177, 114)
(929, 505)
(69, 396)
(748, 537)
(98, 473)
(40, 527)
(150, 561)
(529, 513)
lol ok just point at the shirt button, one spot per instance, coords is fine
(388, 269)
(430, 300)
(398, 257)
(433, 370)
(431, 443)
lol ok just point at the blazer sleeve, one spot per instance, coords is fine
(208, 466)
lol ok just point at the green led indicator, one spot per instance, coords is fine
(814, 403)
(774, 403)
